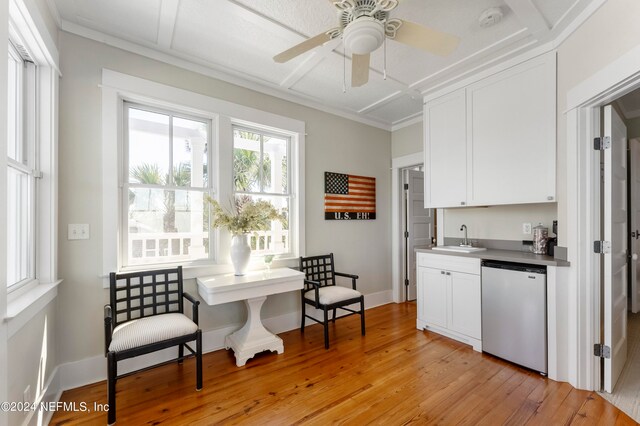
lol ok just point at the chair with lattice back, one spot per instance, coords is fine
(145, 315)
(321, 291)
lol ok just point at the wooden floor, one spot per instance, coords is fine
(395, 375)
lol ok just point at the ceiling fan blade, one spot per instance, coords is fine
(303, 47)
(360, 69)
(428, 39)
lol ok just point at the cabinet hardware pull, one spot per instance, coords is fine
(442, 272)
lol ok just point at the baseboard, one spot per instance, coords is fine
(91, 370)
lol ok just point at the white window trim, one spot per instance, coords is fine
(25, 301)
(117, 87)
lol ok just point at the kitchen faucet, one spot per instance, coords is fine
(465, 240)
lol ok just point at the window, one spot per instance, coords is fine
(21, 170)
(167, 157)
(261, 171)
(147, 139)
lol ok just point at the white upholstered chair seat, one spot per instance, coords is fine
(332, 294)
(147, 330)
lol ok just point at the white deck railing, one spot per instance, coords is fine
(175, 246)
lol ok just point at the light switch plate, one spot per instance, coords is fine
(78, 231)
(526, 228)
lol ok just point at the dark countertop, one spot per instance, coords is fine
(504, 255)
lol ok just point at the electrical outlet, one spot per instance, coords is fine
(78, 231)
(26, 396)
(526, 228)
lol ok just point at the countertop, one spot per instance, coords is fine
(504, 255)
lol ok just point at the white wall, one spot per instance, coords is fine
(332, 144)
(32, 358)
(609, 33)
(498, 222)
(407, 140)
(633, 128)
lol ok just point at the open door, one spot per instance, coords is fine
(634, 224)
(615, 260)
(419, 226)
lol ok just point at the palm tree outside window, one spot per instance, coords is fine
(261, 171)
(167, 159)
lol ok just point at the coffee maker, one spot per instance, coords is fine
(552, 242)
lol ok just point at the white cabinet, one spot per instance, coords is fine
(511, 125)
(445, 148)
(449, 299)
(493, 141)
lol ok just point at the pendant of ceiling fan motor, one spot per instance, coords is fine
(364, 35)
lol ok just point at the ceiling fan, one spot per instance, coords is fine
(364, 26)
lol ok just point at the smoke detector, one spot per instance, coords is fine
(490, 17)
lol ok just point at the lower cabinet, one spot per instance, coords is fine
(449, 297)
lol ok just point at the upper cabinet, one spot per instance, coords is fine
(445, 149)
(493, 142)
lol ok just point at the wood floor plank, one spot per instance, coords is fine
(393, 375)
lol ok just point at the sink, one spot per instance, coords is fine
(458, 249)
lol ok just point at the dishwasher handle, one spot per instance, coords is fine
(513, 266)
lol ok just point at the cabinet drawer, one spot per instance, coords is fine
(467, 265)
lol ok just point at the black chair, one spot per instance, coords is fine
(146, 315)
(320, 291)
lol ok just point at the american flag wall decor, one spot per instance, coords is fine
(349, 197)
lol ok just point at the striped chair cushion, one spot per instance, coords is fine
(144, 331)
(333, 294)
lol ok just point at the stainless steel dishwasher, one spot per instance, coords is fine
(514, 313)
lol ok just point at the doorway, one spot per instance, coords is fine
(620, 302)
(418, 224)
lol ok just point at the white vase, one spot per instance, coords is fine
(240, 253)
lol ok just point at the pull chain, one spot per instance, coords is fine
(384, 71)
(344, 67)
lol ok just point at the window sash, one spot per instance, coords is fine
(126, 255)
(21, 163)
(287, 195)
(263, 134)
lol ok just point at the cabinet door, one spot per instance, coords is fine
(432, 296)
(512, 135)
(465, 313)
(445, 151)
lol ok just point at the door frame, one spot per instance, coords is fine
(397, 232)
(583, 209)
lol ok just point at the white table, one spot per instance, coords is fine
(253, 288)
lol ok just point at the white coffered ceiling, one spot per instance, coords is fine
(236, 39)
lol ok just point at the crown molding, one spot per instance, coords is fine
(208, 69)
(406, 122)
(577, 22)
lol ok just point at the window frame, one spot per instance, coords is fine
(117, 87)
(27, 162)
(26, 300)
(171, 112)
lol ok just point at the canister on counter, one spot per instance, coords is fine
(540, 236)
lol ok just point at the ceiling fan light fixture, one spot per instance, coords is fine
(364, 35)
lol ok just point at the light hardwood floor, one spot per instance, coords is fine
(394, 375)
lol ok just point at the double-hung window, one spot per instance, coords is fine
(162, 159)
(167, 175)
(261, 171)
(21, 170)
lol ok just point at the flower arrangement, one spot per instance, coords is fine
(248, 215)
